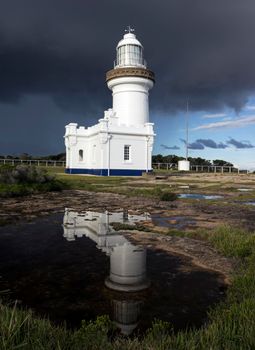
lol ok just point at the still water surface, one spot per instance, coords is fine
(199, 196)
(75, 266)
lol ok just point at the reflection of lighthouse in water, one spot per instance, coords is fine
(127, 261)
(126, 314)
(127, 268)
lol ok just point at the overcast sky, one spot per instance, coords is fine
(54, 55)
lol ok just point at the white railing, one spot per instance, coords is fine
(164, 166)
(215, 169)
(200, 168)
(155, 166)
(37, 162)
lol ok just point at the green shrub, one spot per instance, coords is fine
(23, 174)
(168, 196)
(94, 335)
(21, 180)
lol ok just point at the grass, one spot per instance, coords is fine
(233, 242)
(229, 241)
(115, 184)
(230, 326)
(19, 190)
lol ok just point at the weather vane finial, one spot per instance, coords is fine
(129, 30)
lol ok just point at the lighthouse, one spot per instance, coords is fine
(121, 142)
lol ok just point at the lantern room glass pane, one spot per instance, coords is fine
(130, 55)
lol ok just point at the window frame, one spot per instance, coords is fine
(127, 151)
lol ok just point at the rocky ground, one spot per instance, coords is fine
(187, 215)
(183, 215)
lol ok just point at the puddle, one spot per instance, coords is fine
(177, 222)
(77, 267)
(250, 203)
(198, 196)
(244, 189)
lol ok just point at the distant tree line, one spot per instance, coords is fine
(26, 156)
(172, 158)
(159, 158)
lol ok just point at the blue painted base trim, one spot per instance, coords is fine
(104, 172)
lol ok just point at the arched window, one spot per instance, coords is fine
(81, 155)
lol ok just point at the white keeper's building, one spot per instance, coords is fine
(122, 141)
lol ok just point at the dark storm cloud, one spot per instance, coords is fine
(169, 147)
(240, 144)
(59, 50)
(200, 144)
(212, 144)
(194, 145)
(200, 49)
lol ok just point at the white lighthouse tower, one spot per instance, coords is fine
(121, 143)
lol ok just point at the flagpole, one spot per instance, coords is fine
(187, 130)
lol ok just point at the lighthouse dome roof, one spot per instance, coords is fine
(129, 39)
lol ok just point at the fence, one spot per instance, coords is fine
(159, 166)
(37, 162)
(200, 168)
(164, 166)
(214, 169)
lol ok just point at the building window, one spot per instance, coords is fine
(81, 155)
(126, 153)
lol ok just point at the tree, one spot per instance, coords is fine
(199, 161)
(158, 159)
(25, 156)
(221, 162)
